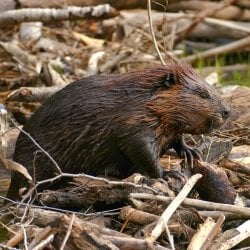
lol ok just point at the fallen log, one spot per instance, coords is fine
(12, 17)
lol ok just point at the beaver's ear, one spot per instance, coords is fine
(170, 79)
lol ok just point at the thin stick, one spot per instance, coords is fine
(3, 133)
(228, 48)
(160, 226)
(244, 211)
(33, 140)
(153, 34)
(7, 228)
(213, 233)
(44, 243)
(24, 238)
(114, 211)
(68, 232)
(200, 17)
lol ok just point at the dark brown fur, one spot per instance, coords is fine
(116, 125)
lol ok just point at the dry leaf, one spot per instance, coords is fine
(14, 166)
(92, 42)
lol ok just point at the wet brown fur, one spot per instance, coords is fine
(117, 124)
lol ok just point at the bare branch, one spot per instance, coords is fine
(153, 34)
(12, 17)
(160, 226)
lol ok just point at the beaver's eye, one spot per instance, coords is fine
(170, 79)
(203, 95)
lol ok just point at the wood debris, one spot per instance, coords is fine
(43, 49)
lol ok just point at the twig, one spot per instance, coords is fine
(213, 233)
(152, 32)
(3, 133)
(157, 231)
(244, 233)
(52, 210)
(170, 237)
(200, 17)
(44, 234)
(114, 61)
(201, 234)
(197, 203)
(24, 238)
(34, 94)
(93, 62)
(21, 56)
(33, 140)
(68, 232)
(7, 228)
(44, 243)
(234, 46)
(26, 210)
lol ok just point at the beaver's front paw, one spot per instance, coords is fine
(174, 174)
(185, 152)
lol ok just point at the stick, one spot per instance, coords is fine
(231, 47)
(34, 94)
(3, 133)
(244, 211)
(68, 232)
(159, 228)
(153, 34)
(45, 152)
(215, 230)
(12, 17)
(200, 17)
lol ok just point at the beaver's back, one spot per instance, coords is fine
(118, 124)
(77, 126)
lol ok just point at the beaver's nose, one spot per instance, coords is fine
(226, 112)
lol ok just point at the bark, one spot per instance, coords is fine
(12, 17)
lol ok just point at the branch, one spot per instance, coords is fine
(234, 46)
(200, 17)
(153, 34)
(12, 17)
(199, 204)
(160, 226)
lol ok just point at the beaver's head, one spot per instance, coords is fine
(183, 101)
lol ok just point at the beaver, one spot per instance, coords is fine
(118, 124)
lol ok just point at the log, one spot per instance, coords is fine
(34, 94)
(129, 4)
(210, 28)
(228, 13)
(85, 235)
(137, 216)
(12, 17)
(84, 193)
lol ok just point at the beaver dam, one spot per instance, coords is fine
(102, 147)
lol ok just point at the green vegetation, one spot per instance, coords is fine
(3, 234)
(239, 76)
